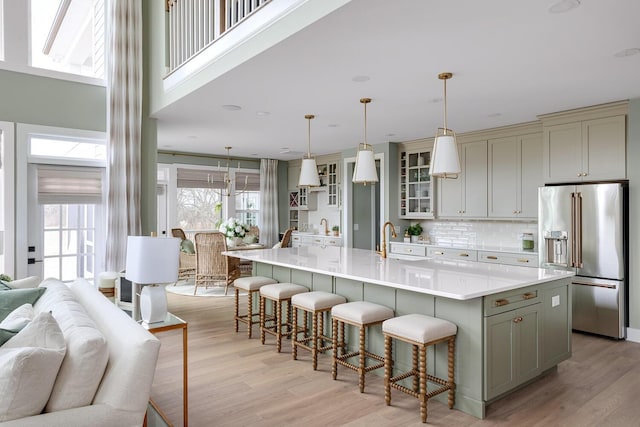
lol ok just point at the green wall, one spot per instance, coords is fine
(633, 173)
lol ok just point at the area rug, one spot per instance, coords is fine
(186, 288)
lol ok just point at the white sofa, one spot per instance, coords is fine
(113, 391)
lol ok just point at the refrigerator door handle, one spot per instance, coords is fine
(579, 230)
(597, 285)
(572, 259)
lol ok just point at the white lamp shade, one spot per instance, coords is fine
(309, 174)
(153, 304)
(445, 161)
(152, 259)
(365, 169)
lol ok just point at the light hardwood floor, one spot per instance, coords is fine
(234, 381)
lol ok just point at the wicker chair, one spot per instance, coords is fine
(211, 265)
(286, 238)
(187, 262)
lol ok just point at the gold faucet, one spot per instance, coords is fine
(383, 251)
(326, 228)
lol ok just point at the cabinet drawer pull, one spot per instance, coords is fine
(463, 254)
(438, 253)
(518, 319)
(501, 302)
(529, 295)
(491, 257)
(523, 260)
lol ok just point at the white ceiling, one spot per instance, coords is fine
(511, 61)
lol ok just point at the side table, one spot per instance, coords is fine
(169, 323)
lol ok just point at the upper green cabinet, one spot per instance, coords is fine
(416, 185)
(515, 173)
(587, 150)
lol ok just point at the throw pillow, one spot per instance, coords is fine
(187, 247)
(14, 298)
(29, 364)
(27, 282)
(18, 318)
(5, 336)
(4, 286)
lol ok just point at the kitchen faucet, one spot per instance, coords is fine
(326, 228)
(383, 251)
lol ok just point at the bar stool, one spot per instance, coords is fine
(361, 314)
(315, 303)
(277, 293)
(420, 331)
(251, 284)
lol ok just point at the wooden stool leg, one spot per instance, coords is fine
(416, 379)
(423, 383)
(237, 311)
(387, 369)
(249, 312)
(262, 319)
(294, 335)
(334, 364)
(314, 339)
(451, 364)
(362, 361)
(279, 325)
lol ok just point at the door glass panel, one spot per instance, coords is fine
(51, 243)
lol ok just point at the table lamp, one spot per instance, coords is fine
(151, 261)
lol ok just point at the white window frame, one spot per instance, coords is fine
(8, 168)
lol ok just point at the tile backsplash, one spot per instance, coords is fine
(505, 234)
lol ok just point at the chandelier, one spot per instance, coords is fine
(228, 187)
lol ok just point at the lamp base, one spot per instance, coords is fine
(153, 304)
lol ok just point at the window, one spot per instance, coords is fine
(67, 148)
(68, 36)
(248, 207)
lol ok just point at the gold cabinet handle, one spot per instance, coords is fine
(523, 260)
(529, 295)
(518, 319)
(463, 254)
(491, 257)
(501, 302)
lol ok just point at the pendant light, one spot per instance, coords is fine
(365, 169)
(309, 169)
(445, 162)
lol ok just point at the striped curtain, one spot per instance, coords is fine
(269, 228)
(124, 122)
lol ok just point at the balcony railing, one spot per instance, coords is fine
(195, 24)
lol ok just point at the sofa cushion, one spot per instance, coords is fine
(27, 282)
(29, 363)
(14, 298)
(87, 352)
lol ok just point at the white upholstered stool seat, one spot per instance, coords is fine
(251, 284)
(361, 314)
(420, 331)
(278, 293)
(316, 304)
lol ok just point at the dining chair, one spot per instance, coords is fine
(187, 261)
(286, 238)
(211, 265)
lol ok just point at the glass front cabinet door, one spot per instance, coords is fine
(416, 185)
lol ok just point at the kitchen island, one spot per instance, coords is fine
(514, 323)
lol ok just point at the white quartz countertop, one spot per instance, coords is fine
(461, 280)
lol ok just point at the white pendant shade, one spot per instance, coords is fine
(309, 174)
(365, 169)
(445, 162)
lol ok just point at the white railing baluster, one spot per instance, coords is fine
(194, 24)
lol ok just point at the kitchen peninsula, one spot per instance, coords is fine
(514, 323)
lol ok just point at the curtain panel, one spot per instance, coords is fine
(124, 123)
(269, 227)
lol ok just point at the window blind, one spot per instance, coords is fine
(69, 184)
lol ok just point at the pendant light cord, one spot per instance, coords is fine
(445, 106)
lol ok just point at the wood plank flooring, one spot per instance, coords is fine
(234, 381)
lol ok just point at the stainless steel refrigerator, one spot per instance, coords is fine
(583, 227)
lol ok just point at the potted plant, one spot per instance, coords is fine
(336, 230)
(414, 231)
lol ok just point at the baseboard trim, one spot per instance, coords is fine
(633, 335)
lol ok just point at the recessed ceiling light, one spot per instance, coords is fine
(494, 115)
(284, 150)
(192, 137)
(361, 79)
(333, 125)
(391, 134)
(435, 100)
(231, 107)
(564, 6)
(627, 52)
(263, 113)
